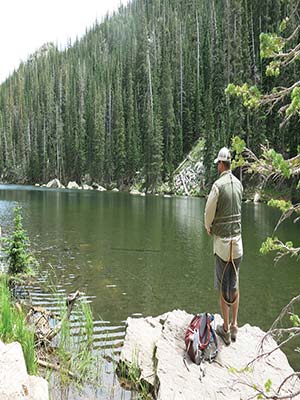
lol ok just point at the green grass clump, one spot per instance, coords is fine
(75, 344)
(13, 327)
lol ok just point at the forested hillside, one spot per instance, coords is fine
(138, 91)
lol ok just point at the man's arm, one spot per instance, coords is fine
(210, 208)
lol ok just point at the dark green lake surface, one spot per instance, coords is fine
(140, 256)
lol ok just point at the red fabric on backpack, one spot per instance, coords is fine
(200, 328)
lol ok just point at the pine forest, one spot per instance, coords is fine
(139, 89)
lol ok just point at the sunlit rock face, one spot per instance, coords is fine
(15, 383)
(157, 346)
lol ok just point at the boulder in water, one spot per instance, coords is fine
(257, 198)
(101, 188)
(86, 187)
(73, 185)
(54, 184)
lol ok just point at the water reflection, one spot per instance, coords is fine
(135, 255)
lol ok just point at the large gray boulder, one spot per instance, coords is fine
(87, 187)
(15, 383)
(98, 187)
(73, 185)
(54, 184)
(135, 191)
(157, 346)
(257, 197)
(101, 188)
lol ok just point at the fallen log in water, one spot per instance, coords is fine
(46, 329)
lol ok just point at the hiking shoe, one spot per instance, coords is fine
(233, 332)
(223, 334)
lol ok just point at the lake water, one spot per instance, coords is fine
(139, 256)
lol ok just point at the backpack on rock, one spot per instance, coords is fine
(200, 339)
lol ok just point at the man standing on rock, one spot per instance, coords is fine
(223, 220)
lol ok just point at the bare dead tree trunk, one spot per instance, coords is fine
(150, 87)
(198, 49)
(253, 48)
(181, 77)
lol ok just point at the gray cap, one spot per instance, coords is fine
(224, 155)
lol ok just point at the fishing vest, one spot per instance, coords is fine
(227, 221)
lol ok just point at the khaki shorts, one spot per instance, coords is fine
(230, 281)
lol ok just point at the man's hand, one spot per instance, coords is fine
(208, 231)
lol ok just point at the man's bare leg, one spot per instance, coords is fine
(235, 309)
(225, 313)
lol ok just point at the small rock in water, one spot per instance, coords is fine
(257, 198)
(134, 191)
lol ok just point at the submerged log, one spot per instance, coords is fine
(54, 367)
(40, 318)
(70, 304)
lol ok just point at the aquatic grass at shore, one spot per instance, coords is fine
(76, 364)
(13, 327)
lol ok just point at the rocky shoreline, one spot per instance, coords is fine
(155, 347)
(190, 188)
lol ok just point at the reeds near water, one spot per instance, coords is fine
(14, 328)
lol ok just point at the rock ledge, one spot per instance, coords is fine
(15, 383)
(156, 346)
